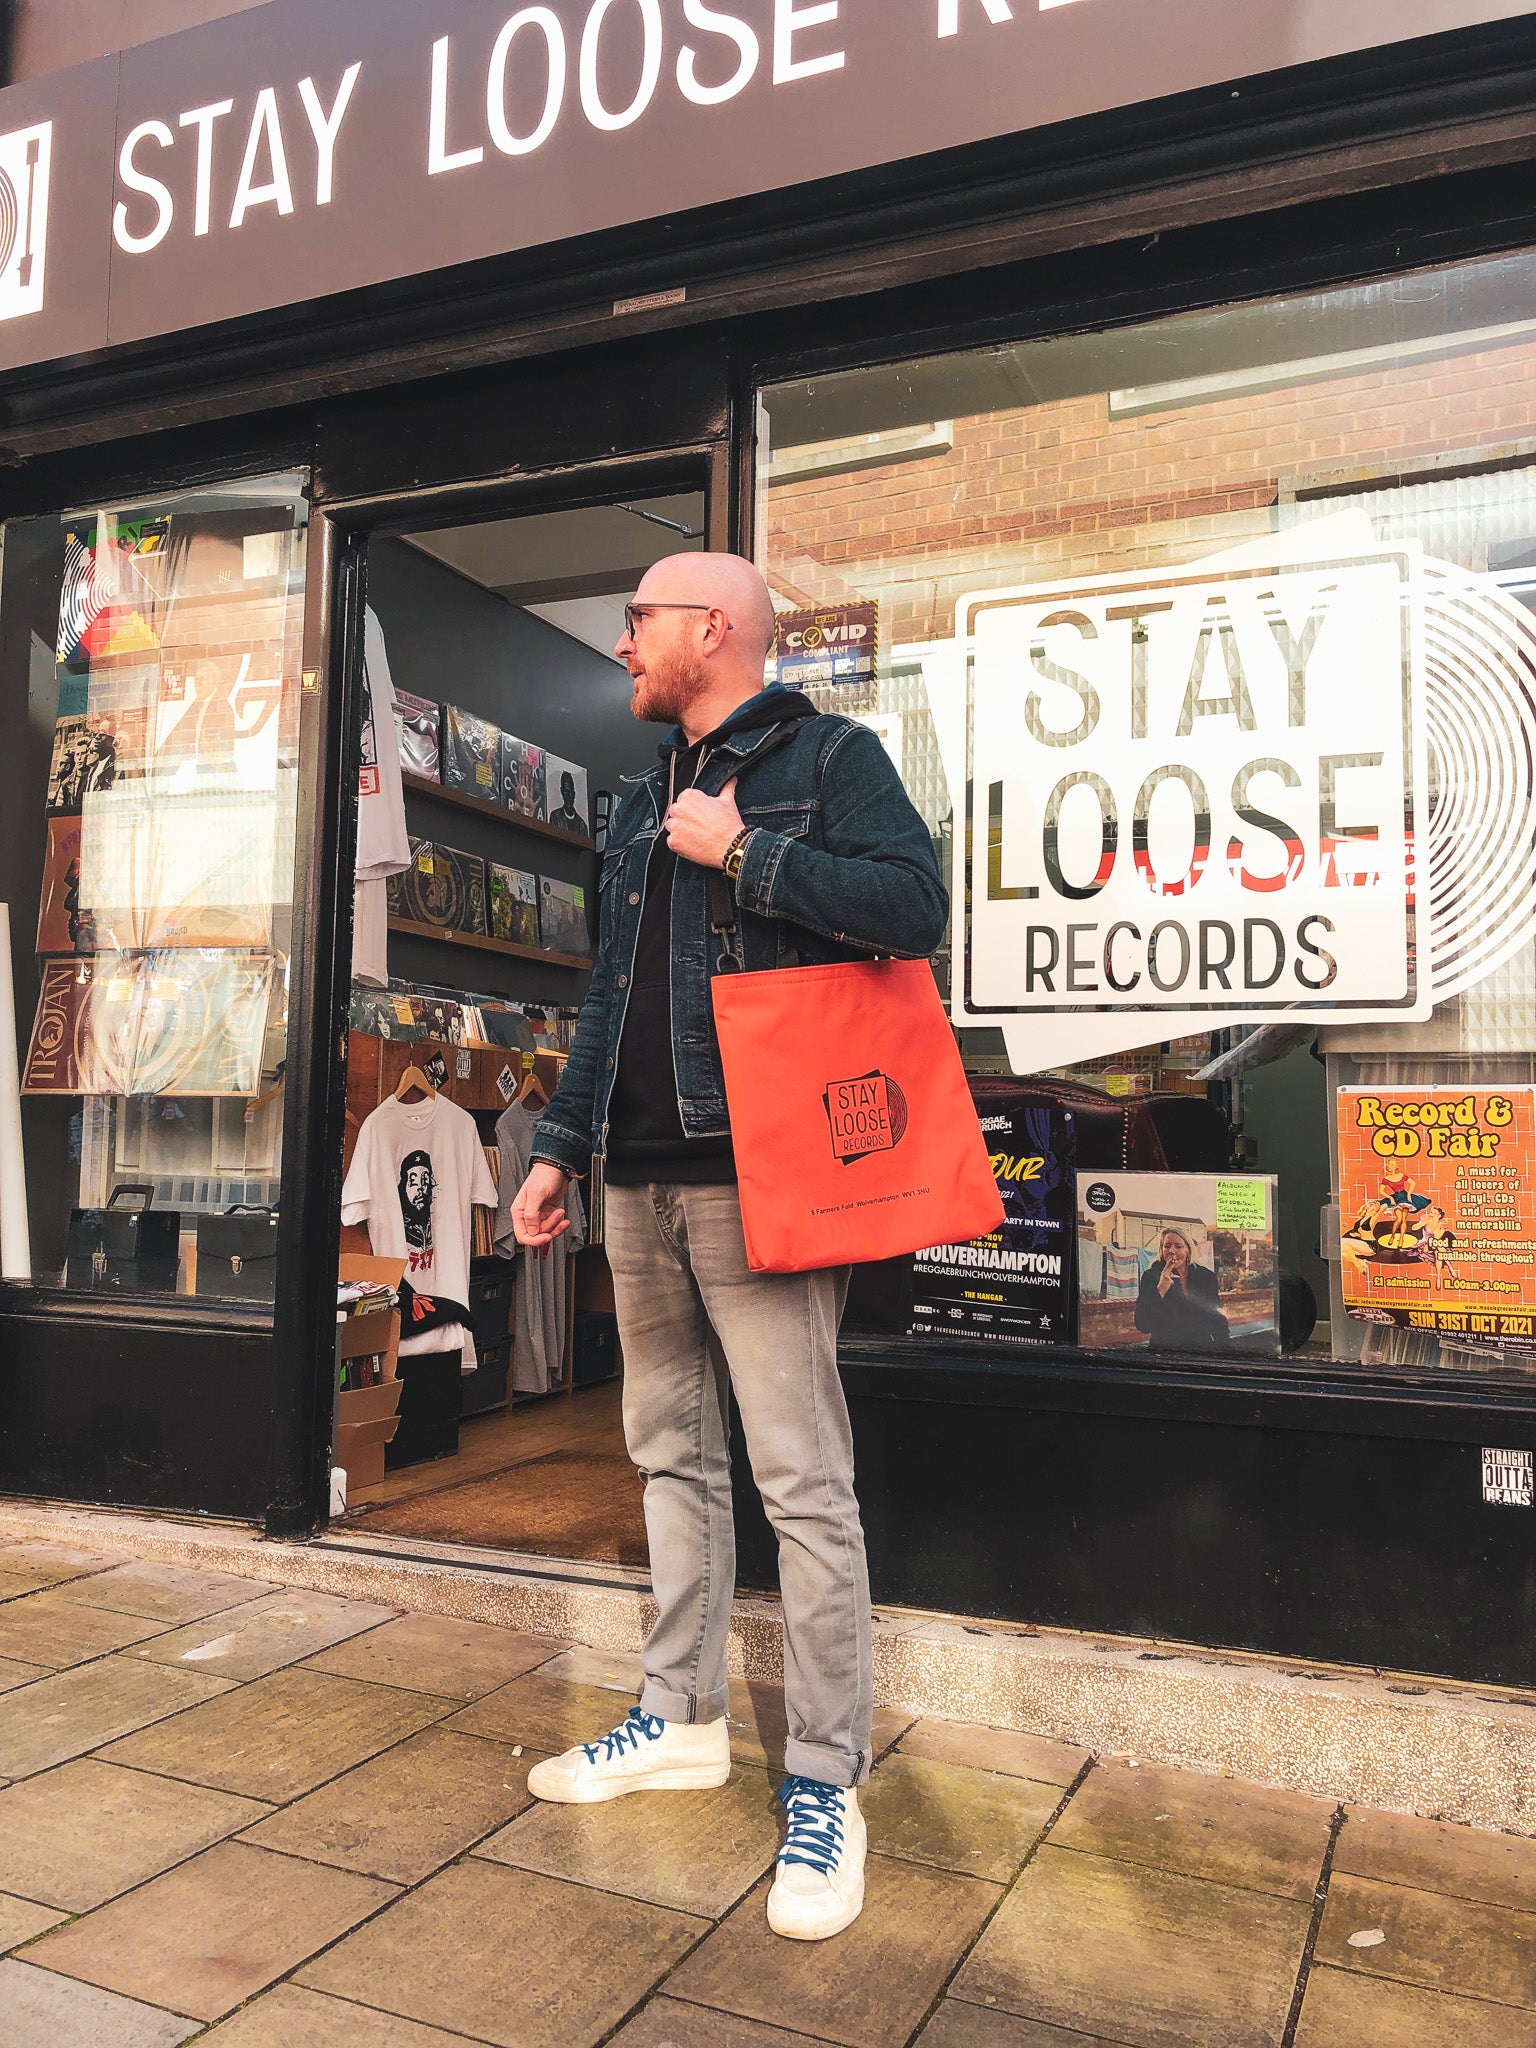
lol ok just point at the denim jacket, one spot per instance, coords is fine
(839, 866)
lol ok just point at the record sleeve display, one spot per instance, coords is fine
(419, 724)
(565, 796)
(563, 917)
(180, 870)
(63, 926)
(522, 777)
(513, 904)
(471, 753)
(170, 1022)
(441, 886)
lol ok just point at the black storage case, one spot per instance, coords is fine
(237, 1254)
(594, 1347)
(116, 1249)
(431, 1402)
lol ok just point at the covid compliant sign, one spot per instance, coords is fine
(1437, 1211)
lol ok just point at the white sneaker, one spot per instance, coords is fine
(819, 1887)
(643, 1754)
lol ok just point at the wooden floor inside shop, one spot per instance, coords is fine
(549, 1476)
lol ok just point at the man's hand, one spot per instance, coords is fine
(700, 828)
(538, 1214)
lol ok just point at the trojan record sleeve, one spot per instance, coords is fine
(1016, 1285)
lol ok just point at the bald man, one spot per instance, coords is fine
(768, 835)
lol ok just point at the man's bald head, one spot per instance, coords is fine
(724, 580)
(701, 648)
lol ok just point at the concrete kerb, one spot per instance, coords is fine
(1412, 1745)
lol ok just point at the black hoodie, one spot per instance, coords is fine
(646, 1141)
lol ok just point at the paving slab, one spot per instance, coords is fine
(613, 1670)
(955, 1817)
(568, 1963)
(696, 1852)
(209, 1935)
(1440, 1943)
(1342, 2010)
(45, 2011)
(51, 1629)
(959, 2025)
(760, 1727)
(280, 1736)
(50, 1564)
(265, 1634)
(1006, 1750)
(23, 1920)
(867, 1988)
(1148, 1957)
(290, 2017)
(405, 1813)
(1231, 1832)
(1436, 1856)
(668, 2023)
(434, 1653)
(13, 1674)
(548, 1714)
(69, 1712)
(14, 1584)
(77, 1836)
(167, 1593)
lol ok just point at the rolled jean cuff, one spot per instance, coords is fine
(698, 1707)
(827, 1766)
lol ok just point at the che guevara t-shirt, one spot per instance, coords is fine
(417, 1172)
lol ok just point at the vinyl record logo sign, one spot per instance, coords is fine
(24, 164)
(865, 1115)
(1290, 790)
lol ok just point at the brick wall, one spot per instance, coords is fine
(1063, 489)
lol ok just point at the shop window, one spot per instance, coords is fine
(150, 662)
(1206, 650)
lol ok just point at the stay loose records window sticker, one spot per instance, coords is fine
(1286, 784)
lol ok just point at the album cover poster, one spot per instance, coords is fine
(1177, 1262)
(471, 753)
(563, 917)
(1018, 1284)
(565, 796)
(1437, 1212)
(54, 1053)
(198, 870)
(522, 776)
(200, 1022)
(85, 759)
(64, 925)
(418, 722)
(513, 904)
(114, 585)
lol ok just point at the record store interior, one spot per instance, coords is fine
(490, 672)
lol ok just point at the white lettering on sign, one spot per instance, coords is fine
(592, 104)
(1203, 797)
(1509, 1478)
(748, 55)
(791, 19)
(556, 64)
(996, 11)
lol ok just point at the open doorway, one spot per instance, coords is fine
(475, 923)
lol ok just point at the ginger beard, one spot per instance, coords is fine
(671, 680)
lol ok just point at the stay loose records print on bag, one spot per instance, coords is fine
(864, 1144)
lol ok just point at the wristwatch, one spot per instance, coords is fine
(735, 853)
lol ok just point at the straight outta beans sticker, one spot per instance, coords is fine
(1508, 1477)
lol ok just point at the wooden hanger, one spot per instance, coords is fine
(413, 1077)
(534, 1082)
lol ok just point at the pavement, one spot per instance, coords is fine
(268, 1818)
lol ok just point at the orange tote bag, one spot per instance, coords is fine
(854, 1131)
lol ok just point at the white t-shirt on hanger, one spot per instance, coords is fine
(383, 848)
(417, 1171)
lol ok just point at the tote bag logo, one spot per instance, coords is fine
(24, 165)
(865, 1115)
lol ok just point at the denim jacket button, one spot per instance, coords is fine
(634, 896)
(610, 1063)
(623, 981)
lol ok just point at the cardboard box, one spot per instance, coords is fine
(368, 1417)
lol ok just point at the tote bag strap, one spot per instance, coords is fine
(724, 915)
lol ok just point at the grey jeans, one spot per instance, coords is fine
(695, 1323)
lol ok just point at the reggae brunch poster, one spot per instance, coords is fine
(1437, 1210)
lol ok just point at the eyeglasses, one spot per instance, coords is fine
(634, 613)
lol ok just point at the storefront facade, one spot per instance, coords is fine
(1154, 474)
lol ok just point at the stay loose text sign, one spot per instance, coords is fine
(294, 150)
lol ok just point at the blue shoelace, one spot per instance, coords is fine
(636, 1728)
(815, 1833)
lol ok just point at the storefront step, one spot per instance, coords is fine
(1410, 1744)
